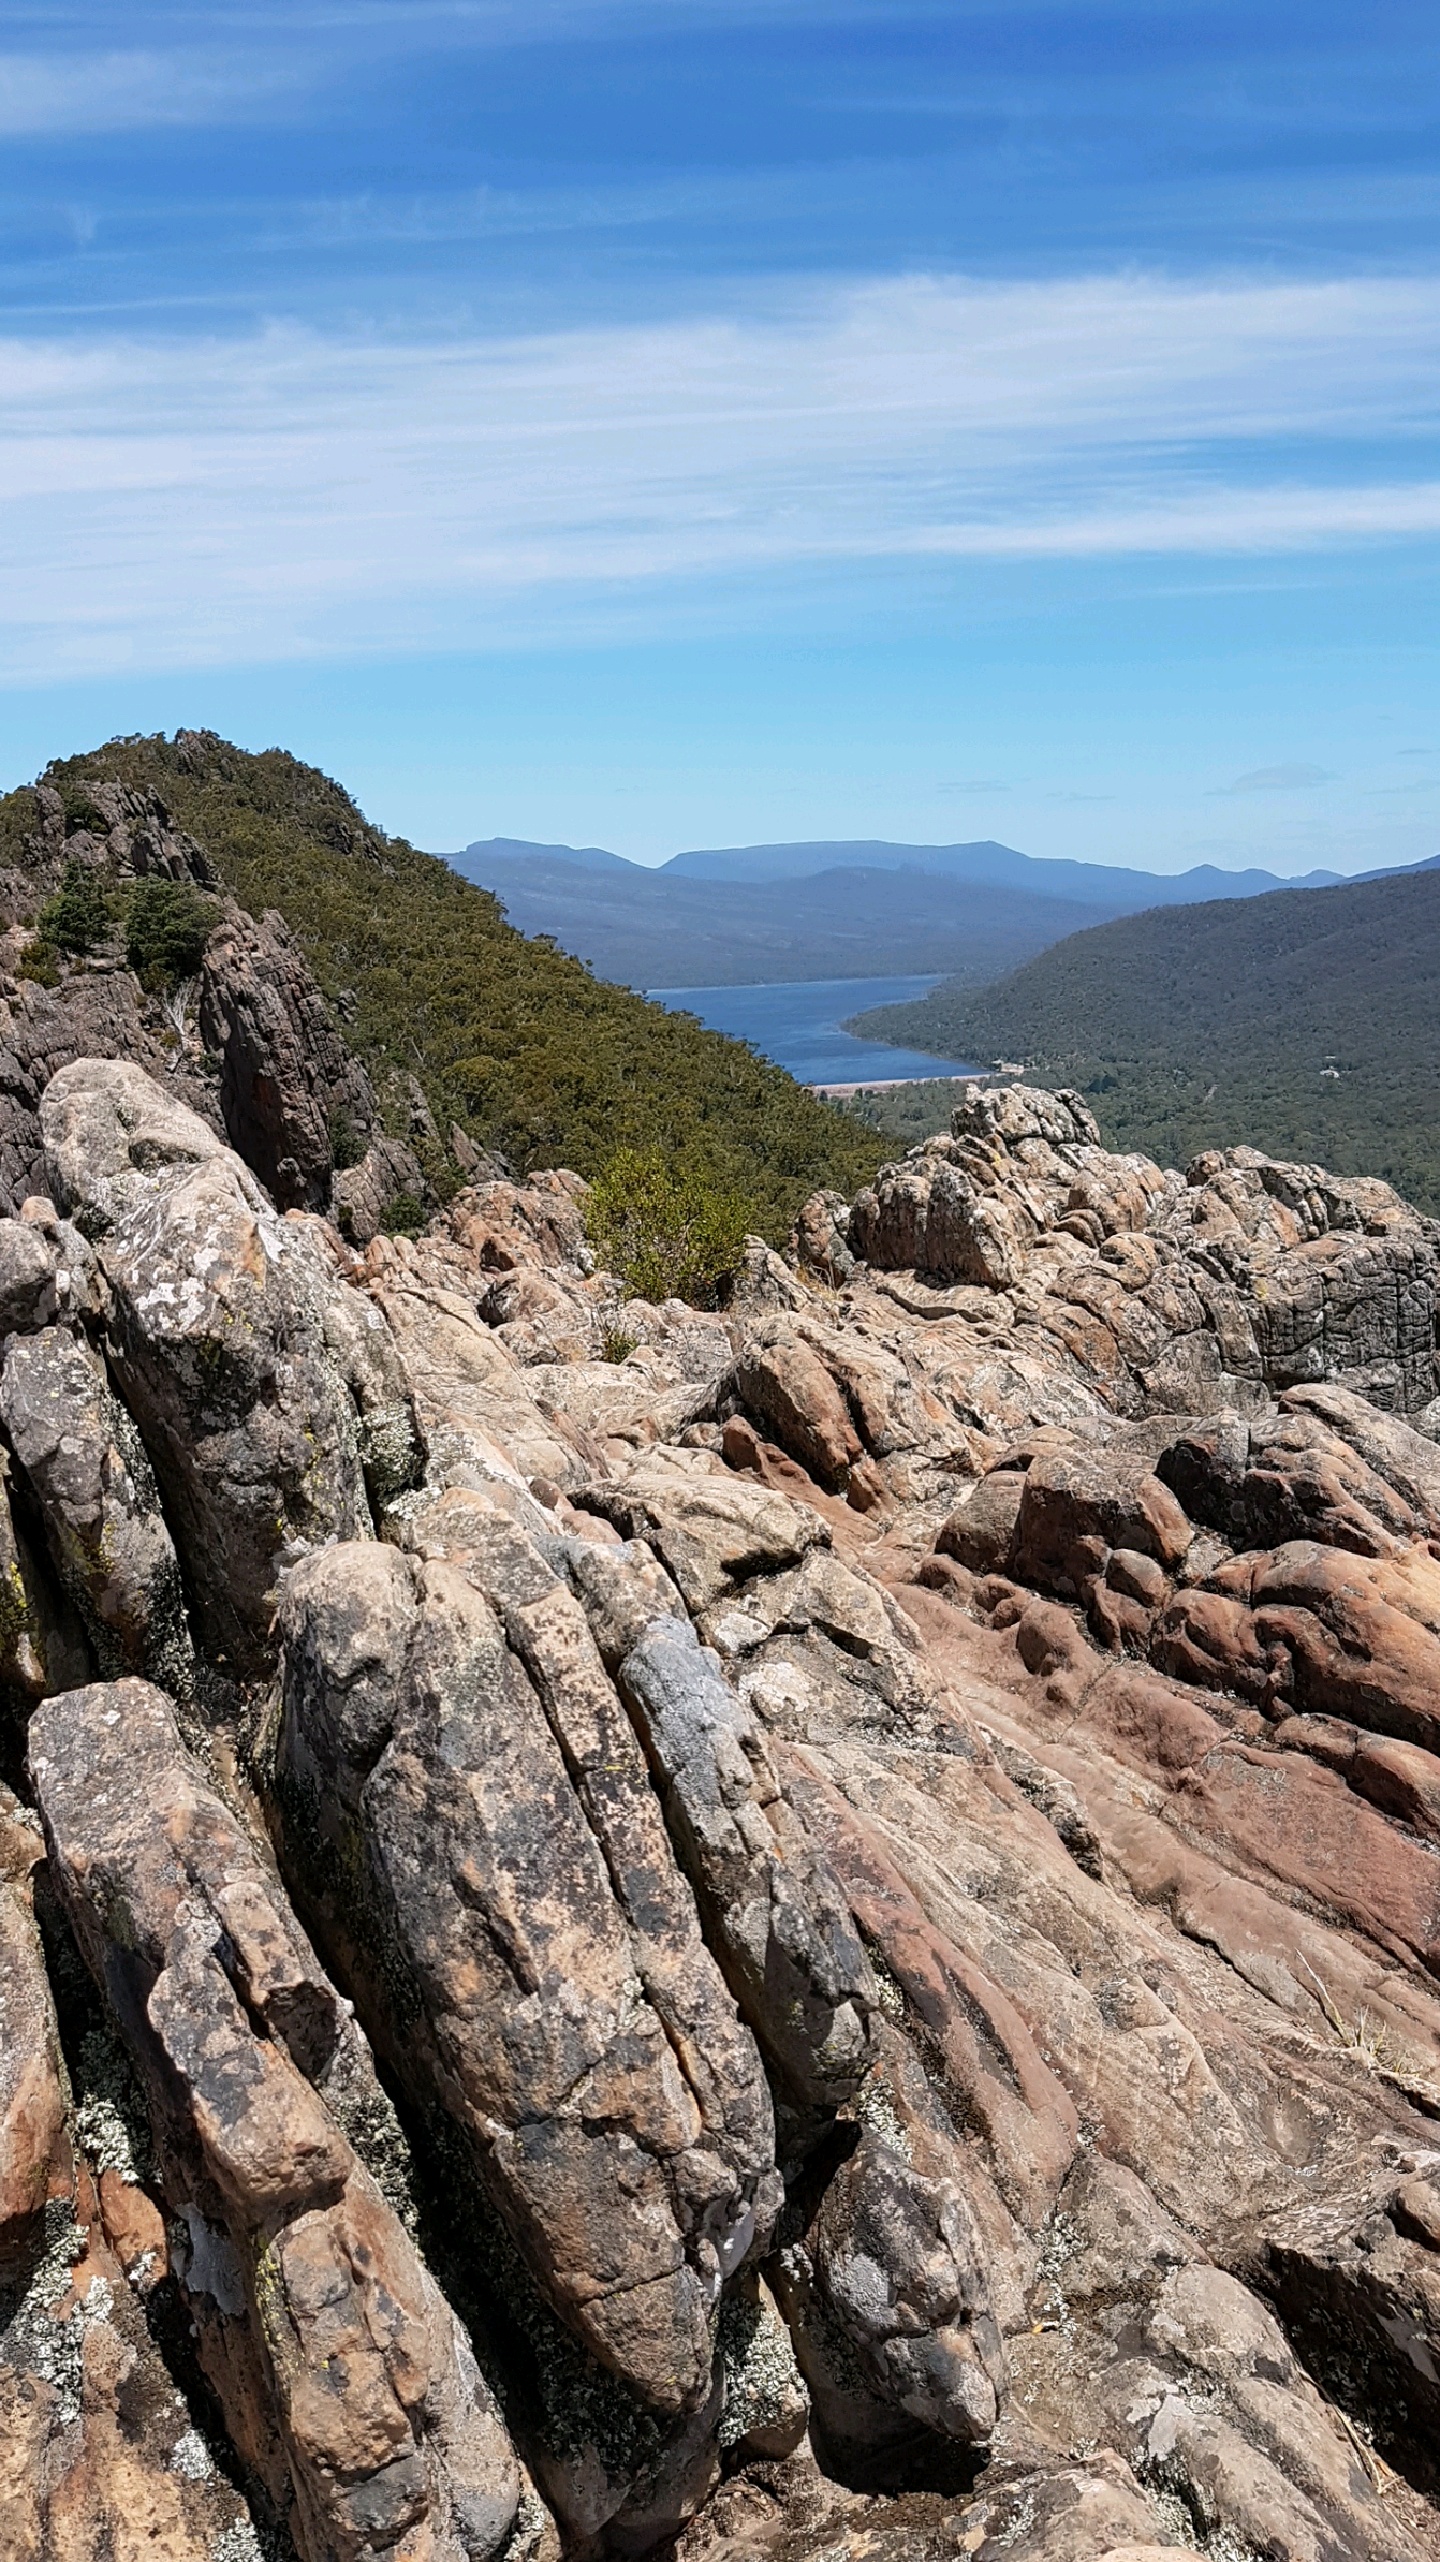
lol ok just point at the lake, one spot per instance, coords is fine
(797, 1023)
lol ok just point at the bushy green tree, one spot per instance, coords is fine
(78, 916)
(167, 926)
(665, 1231)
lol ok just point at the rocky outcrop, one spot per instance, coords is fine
(86, 1465)
(267, 1395)
(843, 1894)
(345, 2382)
(105, 827)
(34, 2153)
(249, 1043)
(417, 1756)
(290, 1090)
(98, 1012)
(1240, 1276)
(778, 1921)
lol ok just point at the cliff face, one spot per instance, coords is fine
(820, 1938)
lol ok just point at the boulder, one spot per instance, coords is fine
(889, 2290)
(29, 1278)
(892, 2286)
(266, 1391)
(111, 1134)
(93, 1013)
(933, 1218)
(96, 1491)
(821, 1239)
(34, 2151)
(792, 1395)
(1078, 1504)
(417, 1762)
(1282, 1477)
(710, 1529)
(343, 2376)
(1015, 1114)
(771, 1907)
(978, 1533)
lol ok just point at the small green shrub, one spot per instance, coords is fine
(78, 916)
(167, 926)
(616, 1344)
(347, 1144)
(42, 964)
(403, 1216)
(667, 1232)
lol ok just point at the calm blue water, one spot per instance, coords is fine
(797, 1023)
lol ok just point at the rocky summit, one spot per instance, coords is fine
(801, 1931)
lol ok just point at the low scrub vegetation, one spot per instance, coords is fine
(665, 1231)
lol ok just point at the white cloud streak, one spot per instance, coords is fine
(211, 65)
(68, 94)
(296, 496)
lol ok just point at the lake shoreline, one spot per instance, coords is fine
(799, 1024)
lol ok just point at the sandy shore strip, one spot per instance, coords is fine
(887, 1085)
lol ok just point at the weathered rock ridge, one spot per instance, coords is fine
(820, 1938)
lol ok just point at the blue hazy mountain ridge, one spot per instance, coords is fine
(821, 911)
(1105, 885)
(519, 849)
(649, 929)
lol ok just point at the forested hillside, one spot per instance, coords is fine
(510, 1038)
(1306, 1024)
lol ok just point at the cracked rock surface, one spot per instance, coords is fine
(819, 1938)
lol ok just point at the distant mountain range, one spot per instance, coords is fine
(1308, 1026)
(832, 909)
(1103, 885)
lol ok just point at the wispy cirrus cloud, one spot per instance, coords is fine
(79, 33)
(295, 495)
(68, 94)
(230, 60)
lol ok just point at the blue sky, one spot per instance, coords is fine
(670, 422)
